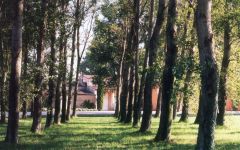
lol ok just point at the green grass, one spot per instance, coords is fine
(106, 133)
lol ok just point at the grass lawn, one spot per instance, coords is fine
(106, 133)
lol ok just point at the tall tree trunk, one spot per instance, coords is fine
(24, 76)
(100, 94)
(64, 85)
(222, 97)
(37, 112)
(77, 75)
(59, 82)
(136, 54)
(14, 82)
(190, 67)
(209, 76)
(130, 96)
(164, 129)
(52, 71)
(138, 106)
(159, 100)
(153, 49)
(186, 88)
(126, 68)
(69, 101)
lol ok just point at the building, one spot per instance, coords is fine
(87, 91)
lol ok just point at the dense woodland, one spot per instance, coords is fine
(188, 48)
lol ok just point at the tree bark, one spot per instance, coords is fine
(52, 71)
(130, 96)
(222, 96)
(24, 76)
(186, 88)
(209, 76)
(71, 67)
(37, 112)
(14, 82)
(197, 119)
(164, 129)
(64, 85)
(100, 94)
(139, 103)
(153, 44)
(77, 76)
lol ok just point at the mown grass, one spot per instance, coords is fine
(106, 133)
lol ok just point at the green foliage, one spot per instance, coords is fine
(88, 104)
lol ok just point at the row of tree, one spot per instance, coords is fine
(133, 52)
(37, 39)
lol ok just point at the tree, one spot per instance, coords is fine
(37, 112)
(209, 75)
(224, 69)
(52, 67)
(13, 118)
(153, 44)
(164, 129)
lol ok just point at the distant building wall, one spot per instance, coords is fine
(82, 98)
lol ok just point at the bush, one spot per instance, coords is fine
(88, 104)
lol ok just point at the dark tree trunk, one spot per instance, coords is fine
(77, 76)
(153, 49)
(37, 112)
(14, 82)
(124, 94)
(126, 68)
(59, 83)
(69, 101)
(100, 94)
(186, 88)
(222, 97)
(24, 105)
(164, 129)
(52, 71)
(64, 85)
(139, 103)
(136, 52)
(209, 76)
(159, 100)
(130, 96)
(190, 67)
(119, 86)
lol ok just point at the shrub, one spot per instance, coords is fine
(88, 104)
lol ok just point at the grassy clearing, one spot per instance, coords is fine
(106, 133)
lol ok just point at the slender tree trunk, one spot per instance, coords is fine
(77, 76)
(52, 72)
(130, 96)
(125, 87)
(71, 73)
(164, 129)
(209, 76)
(37, 112)
(139, 103)
(186, 88)
(153, 48)
(59, 83)
(100, 94)
(136, 52)
(14, 82)
(64, 85)
(159, 100)
(24, 76)
(222, 97)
